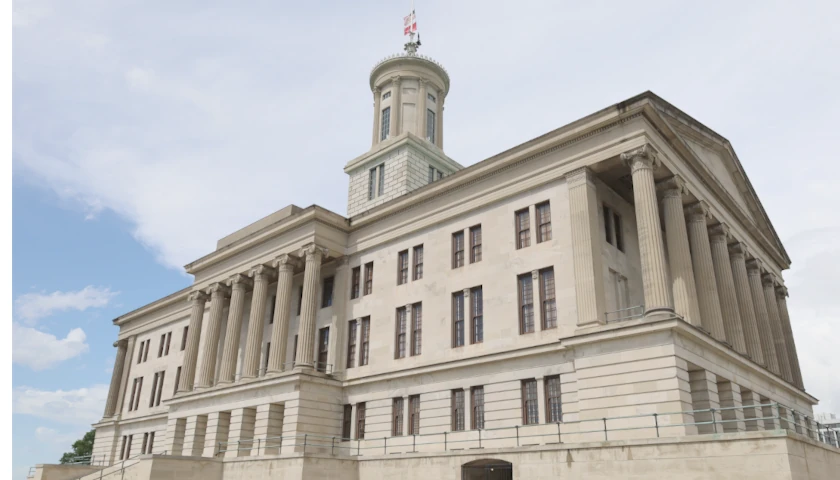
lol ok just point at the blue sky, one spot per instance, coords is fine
(145, 131)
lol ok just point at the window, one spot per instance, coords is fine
(552, 399)
(397, 417)
(157, 389)
(477, 400)
(365, 341)
(414, 415)
(372, 183)
(154, 390)
(416, 328)
(360, 421)
(458, 249)
(619, 235)
(530, 413)
(168, 341)
(431, 174)
(151, 444)
(402, 267)
(143, 353)
(458, 319)
(323, 348)
(122, 447)
(543, 222)
(351, 344)
(184, 338)
(346, 422)
(327, 292)
(386, 123)
(457, 410)
(145, 442)
(613, 228)
(622, 293)
(608, 224)
(381, 179)
(386, 95)
(399, 350)
(267, 353)
(177, 380)
(475, 244)
(161, 345)
(418, 262)
(140, 352)
(294, 350)
(430, 97)
(137, 387)
(272, 307)
(430, 126)
(549, 304)
(146, 350)
(125, 451)
(300, 299)
(523, 228)
(133, 393)
(526, 303)
(355, 282)
(368, 278)
(477, 314)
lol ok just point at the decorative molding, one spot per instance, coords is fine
(754, 266)
(737, 249)
(698, 211)
(642, 157)
(720, 230)
(262, 271)
(286, 262)
(580, 176)
(781, 291)
(121, 343)
(218, 288)
(672, 187)
(240, 280)
(311, 250)
(197, 297)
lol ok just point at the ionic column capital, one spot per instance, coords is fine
(342, 262)
(121, 343)
(719, 231)
(240, 281)
(738, 249)
(768, 280)
(397, 80)
(262, 271)
(642, 157)
(197, 297)
(423, 81)
(672, 187)
(218, 289)
(754, 266)
(580, 176)
(376, 90)
(698, 212)
(313, 252)
(286, 263)
(781, 292)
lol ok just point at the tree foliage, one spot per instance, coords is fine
(81, 448)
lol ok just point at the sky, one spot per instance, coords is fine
(144, 131)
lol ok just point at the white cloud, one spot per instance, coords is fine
(31, 307)
(51, 435)
(82, 406)
(39, 350)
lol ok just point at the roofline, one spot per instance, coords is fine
(166, 301)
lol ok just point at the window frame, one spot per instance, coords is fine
(528, 401)
(385, 123)
(475, 244)
(541, 221)
(458, 252)
(361, 411)
(417, 273)
(476, 418)
(368, 280)
(552, 382)
(355, 282)
(347, 422)
(431, 125)
(521, 281)
(352, 338)
(323, 346)
(416, 329)
(545, 301)
(477, 318)
(414, 414)
(457, 414)
(402, 267)
(184, 337)
(400, 333)
(364, 358)
(523, 235)
(326, 293)
(397, 416)
(458, 323)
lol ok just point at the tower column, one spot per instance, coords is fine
(376, 106)
(732, 325)
(784, 316)
(311, 279)
(439, 119)
(679, 255)
(760, 305)
(218, 294)
(658, 297)
(282, 306)
(421, 109)
(239, 285)
(116, 378)
(769, 284)
(704, 273)
(396, 107)
(197, 300)
(746, 308)
(253, 342)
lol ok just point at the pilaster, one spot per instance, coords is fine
(377, 95)
(196, 429)
(396, 107)
(748, 399)
(268, 428)
(241, 433)
(116, 378)
(732, 413)
(218, 426)
(704, 396)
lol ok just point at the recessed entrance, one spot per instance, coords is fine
(487, 469)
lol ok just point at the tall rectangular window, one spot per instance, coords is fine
(543, 222)
(294, 350)
(458, 319)
(346, 422)
(145, 442)
(397, 409)
(530, 409)
(151, 442)
(372, 183)
(154, 389)
(160, 388)
(139, 389)
(477, 315)
(177, 380)
(475, 244)
(272, 305)
(399, 349)
(477, 401)
(457, 410)
(168, 341)
(416, 328)
(553, 412)
(430, 126)
(414, 415)
(360, 421)
(161, 345)
(300, 299)
(365, 341)
(355, 283)
(351, 343)
(323, 348)
(327, 292)
(526, 303)
(381, 169)
(608, 224)
(431, 174)
(128, 442)
(267, 353)
(368, 278)
(458, 249)
(133, 394)
(402, 267)
(386, 123)
(523, 228)
(549, 304)
(146, 350)
(619, 233)
(184, 338)
(418, 262)
(140, 352)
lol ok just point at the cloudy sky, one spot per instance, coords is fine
(146, 130)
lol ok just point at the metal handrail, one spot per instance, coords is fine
(629, 316)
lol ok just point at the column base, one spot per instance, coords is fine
(658, 313)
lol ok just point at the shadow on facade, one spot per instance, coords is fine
(487, 469)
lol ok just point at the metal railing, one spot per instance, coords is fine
(625, 314)
(600, 429)
(121, 467)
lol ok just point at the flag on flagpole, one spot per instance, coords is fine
(409, 24)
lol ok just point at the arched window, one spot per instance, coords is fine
(487, 469)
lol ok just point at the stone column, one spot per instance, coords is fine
(239, 285)
(218, 427)
(256, 321)
(748, 399)
(219, 294)
(268, 427)
(679, 254)
(285, 265)
(439, 119)
(658, 297)
(784, 316)
(242, 421)
(338, 325)
(586, 251)
(704, 396)
(420, 121)
(116, 378)
(396, 106)
(197, 299)
(704, 272)
(732, 325)
(749, 322)
(377, 95)
(309, 305)
(195, 432)
(730, 399)
(769, 284)
(760, 305)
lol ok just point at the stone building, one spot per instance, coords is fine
(605, 300)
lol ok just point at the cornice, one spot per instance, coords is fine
(384, 148)
(178, 297)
